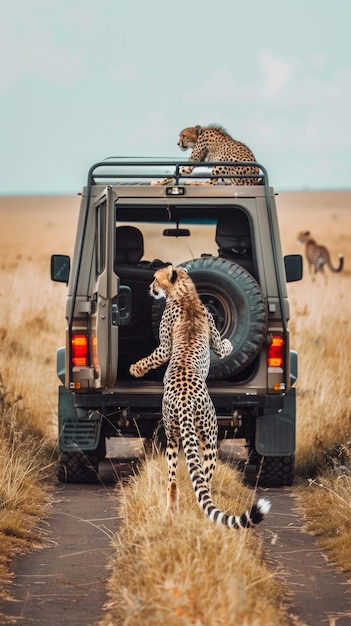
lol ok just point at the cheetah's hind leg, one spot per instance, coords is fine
(207, 441)
(172, 453)
(209, 459)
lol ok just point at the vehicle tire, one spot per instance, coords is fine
(274, 471)
(78, 467)
(238, 306)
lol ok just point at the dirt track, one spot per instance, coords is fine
(64, 583)
(321, 595)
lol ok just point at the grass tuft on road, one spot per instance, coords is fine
(182, 568)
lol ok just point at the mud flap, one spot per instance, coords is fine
(77, 429)
(276, 433)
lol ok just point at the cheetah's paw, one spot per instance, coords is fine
(137, 371)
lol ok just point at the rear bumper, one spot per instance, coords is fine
(83, 418)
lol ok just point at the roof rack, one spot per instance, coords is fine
(142, 170)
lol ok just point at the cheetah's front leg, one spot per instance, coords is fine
(138, 369)
(162, 181)
(158, 357)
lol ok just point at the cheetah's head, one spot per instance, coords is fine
(165, 279)
(303, 236)
(188, 137)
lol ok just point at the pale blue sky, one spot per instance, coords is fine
(81, 80)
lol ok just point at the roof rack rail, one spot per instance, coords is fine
(142, 169)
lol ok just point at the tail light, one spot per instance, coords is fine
(94, 350)
(276, 352)
(80, 350)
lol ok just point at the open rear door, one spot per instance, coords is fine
(106, 301)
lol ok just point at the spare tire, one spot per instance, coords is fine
(238, 306)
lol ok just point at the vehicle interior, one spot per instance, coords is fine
(148, 238)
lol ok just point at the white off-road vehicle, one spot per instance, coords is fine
(227, 237)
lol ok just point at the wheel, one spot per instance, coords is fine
(78, 467)
(238, 306)
(274, 471)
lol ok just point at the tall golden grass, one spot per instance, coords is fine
(320, 323)
(24, 460)
(32, 326)
(322, 336)
(321, 333)
(32, 322)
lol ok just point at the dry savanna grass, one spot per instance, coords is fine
(182, 568)
(32, 326)
(24, 466)
(32, 321)
(321, 333)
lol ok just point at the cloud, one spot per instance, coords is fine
(277, 73)
(155, 130)
(125, 71)
(220, 88)
(310, 108)
(46, 41)
(295, 86)
(38, 57)
(280, 84)
(273, 75)
(291, 105)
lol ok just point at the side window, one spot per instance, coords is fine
(100, 237)
(233, 238)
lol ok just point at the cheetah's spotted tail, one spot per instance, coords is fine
(340, 266)
(250, 518)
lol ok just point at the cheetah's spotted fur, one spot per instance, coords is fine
(187, 331)
(213, 143)
(318, 256)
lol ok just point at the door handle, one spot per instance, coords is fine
(121, 307)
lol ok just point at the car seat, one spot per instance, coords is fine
(137, 338)
(234, 240)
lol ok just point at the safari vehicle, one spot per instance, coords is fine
(227, 237)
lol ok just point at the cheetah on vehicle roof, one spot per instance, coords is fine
(187, 331)
(213, 143)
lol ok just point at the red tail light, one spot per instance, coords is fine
(80, 350)
(275, 352)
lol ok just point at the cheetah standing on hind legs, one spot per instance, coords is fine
(317, 256)
(213, 143)
(187, 332)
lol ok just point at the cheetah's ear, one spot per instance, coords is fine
(307, 233)
(198, 130)
(171, 274)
